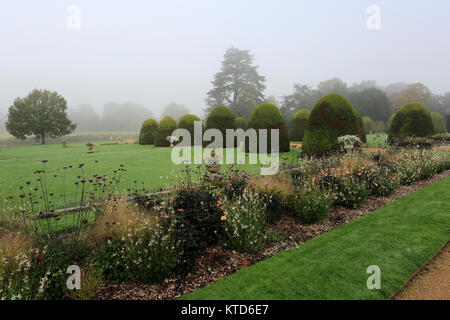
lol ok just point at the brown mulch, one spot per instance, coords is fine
(217, 262)
(432, 282)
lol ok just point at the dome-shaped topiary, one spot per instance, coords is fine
(438, 122)
(220, 118)
(332, 117)
(241, 123)
(368, 124)
(165, 128)
(187, 122)
(298, 125)
(268, 116)
(148, 131)
(412, 120)
(448, 123)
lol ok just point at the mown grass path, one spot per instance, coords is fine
(399, 238)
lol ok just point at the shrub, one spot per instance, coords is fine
(448, 123)
(412, 120)
(268, 116)
(350, 192)
(438, 122)
(368, 124)
(145, 253)
(187, 122)
(165, 129)
(273, 190)
(220, 118)
(298, 125)
(198, 222)
(148, 131)
(332, 116)
(241, 123)
(310, 203)
(245, 219)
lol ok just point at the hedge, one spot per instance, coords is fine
(165, 129)
(298, 125)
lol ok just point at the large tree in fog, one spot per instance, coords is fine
(124, 116)
(371, 102)
(238, 84)
(86, 119)
(176, 111)
(416, 92)
(42, 113)
(303, 97)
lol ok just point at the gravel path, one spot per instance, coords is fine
(432, 282)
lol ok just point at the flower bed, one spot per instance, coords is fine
(209, 226)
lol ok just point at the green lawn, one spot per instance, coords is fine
(399, 238)
(378, 140)
(145, 164)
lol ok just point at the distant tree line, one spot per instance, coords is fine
(118, 117)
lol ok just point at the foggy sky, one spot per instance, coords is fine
(156, 52)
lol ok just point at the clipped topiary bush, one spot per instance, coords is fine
(448, 123)
(368, 124)
(298, 125)
(165, 128)
(412, 120)
(268, 116)
(187, 122)
(148, 131)
(220, 118)
(438, 122)
(241, 123)
(332, 116)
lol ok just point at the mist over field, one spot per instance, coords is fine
(117, 63)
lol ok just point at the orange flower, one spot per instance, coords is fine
(326, 174)
(244, 262)
(219, 202)
(180, 210)
(362, 168)
(359, 173)
(347, 172)
(223, 218)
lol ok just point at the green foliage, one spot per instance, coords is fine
(245, 223)
(221, 118)
(42, 113)
(368, 124)
(187, 122)
(148, 132)
(350, 192)
(413, 119)
(298, 125)
(165, 128)
(146, 255)
(241, 123)
(371, 102)
(438, 122)
(238, 85)
(309, 203)
(448, 123)
(332, 116)
(268, 116)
